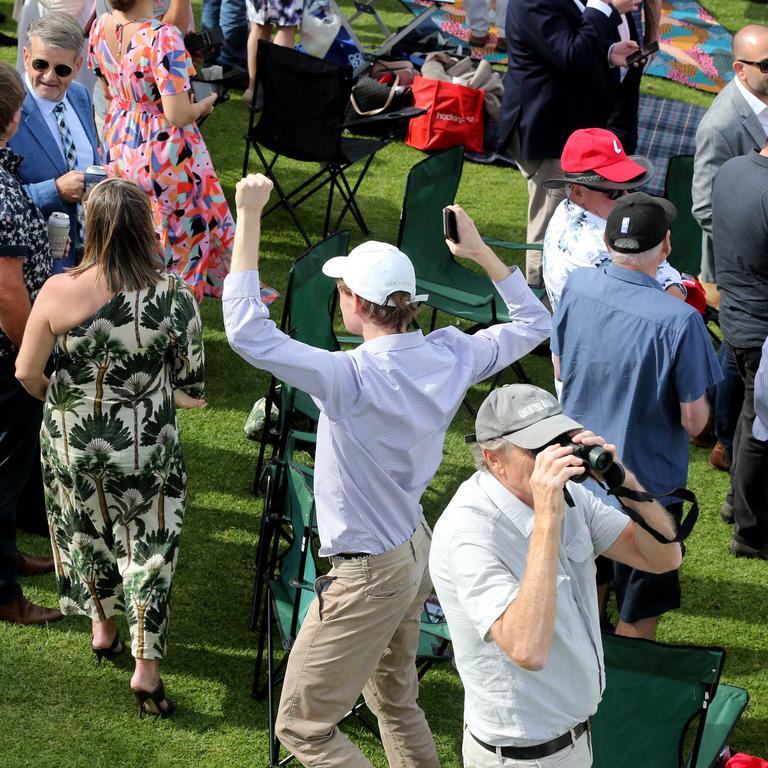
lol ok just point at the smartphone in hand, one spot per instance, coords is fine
(450, 226)
(642, 53)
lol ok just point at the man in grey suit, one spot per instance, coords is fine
(735, 124)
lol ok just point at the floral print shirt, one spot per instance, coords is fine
(574, 238)
(23, 233)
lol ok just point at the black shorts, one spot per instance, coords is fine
(641, 595)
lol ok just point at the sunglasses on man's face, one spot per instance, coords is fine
(761, 65)
(611, 194)
(61, 70)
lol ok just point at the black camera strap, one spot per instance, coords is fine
(686, 524)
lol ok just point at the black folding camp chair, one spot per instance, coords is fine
(656, 703)
(303, 118)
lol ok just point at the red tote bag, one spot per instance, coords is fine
(454, 116)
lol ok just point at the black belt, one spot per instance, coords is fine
(352, 555)
(537, 751)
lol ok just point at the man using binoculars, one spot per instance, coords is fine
(513, 563)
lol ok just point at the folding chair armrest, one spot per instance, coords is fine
(454, 294)
(510, 246)
(301, 584)
(385, 117)
(354, 340)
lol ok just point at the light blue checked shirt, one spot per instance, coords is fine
(385, 406)
(760, 427)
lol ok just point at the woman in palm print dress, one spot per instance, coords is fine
(128, 349)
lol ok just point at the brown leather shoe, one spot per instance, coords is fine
(29, 565)
(21, 611)
(719, 458)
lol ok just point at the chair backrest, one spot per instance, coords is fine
(653, 694)
(310, 294)
(304, 103)
(431, 185)
(686, 232)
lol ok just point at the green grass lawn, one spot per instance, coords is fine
(58, 708)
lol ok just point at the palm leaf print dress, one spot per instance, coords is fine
(112, 463)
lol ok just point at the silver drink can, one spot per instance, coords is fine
(58, 234)
(93, 175)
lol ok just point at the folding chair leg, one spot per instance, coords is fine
(284, 201)
(274, 744)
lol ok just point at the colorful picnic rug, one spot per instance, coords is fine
(695, 49)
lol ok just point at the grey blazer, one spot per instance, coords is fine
(728, 129)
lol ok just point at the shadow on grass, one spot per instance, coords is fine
(718, 597)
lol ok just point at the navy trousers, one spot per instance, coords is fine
(20, 419)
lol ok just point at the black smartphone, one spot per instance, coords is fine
(450, 227)
(642, 53)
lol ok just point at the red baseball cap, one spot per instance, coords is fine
(596, 157)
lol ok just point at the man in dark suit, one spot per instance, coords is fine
(56, 137)
(563, 75)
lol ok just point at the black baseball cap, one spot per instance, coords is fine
(638, 222)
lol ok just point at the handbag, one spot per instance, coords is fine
(370, 97)
(454, 116)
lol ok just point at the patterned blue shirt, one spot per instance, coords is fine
(629, 355)
(385, 406)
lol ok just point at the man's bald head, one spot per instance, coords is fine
(750, 41)
(750, 47)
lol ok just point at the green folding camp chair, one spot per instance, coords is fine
(454, 289)
(686, 232)
(290, 581)
(308, 317)
(655, 704)
(723, 713)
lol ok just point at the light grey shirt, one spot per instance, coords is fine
(477, 561)
(384, 406)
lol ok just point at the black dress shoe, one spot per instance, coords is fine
(21, 611)
(29, 565)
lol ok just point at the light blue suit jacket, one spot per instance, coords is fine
(43, 161)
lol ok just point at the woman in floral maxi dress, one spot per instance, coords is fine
(150, 137)
(128, 348)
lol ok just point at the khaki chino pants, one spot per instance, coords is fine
(361, 634)
(541, 205)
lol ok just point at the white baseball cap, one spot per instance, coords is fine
(374, 271)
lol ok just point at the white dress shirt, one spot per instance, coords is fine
(760, 108)
(384, 406)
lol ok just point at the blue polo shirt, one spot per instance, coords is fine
(629, 355)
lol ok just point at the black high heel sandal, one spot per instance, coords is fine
(115, 649)
(149, 702)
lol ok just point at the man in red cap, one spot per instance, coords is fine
(596, 173)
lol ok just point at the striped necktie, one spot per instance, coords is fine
(70, 156)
